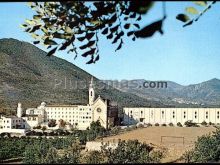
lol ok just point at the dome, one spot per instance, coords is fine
(43, 104)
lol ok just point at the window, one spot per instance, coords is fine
(195, 115)
(184, 116)
(206, 115)
(130, 111)
(91, 93)
(152, 113)
(162, 114)
(8, 121)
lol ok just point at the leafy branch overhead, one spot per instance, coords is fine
(193, 11)
(76, 26)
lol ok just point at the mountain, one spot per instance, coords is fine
(202, 94)
(30, 77)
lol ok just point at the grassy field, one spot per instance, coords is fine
(172, 142)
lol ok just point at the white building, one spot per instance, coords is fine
(78, 116)
(170, 115)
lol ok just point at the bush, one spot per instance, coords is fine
(210, 123)
(171, 124)
(52, 123)
(164, 125)
(190, 124)
(157, 124)
(37, 127)
(149, 124)
(179, 124)
(204, 123)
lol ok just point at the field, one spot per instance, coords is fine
(175, 142)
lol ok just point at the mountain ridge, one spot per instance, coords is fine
(204, 93)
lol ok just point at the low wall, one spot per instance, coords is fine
(96, 146)
(20, 131)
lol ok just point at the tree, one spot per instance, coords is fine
(44, 128)
(131, 151)
(207, 149)
(62, 123)
(52, 123)
(75, 26)
(94, 157)
(179, 124)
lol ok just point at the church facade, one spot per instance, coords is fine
(170, 115)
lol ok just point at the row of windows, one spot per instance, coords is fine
(81, 109)
(218, 116)
(81, 117)
(13, 121)
(69, 113)
(183, 112)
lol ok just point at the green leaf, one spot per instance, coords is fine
(37, 16)
(50, 53)
(192, 10)
(183, 17)
(49, 42)
(201, 3)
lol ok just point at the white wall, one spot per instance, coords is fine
(172, 115)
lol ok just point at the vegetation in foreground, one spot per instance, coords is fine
(71, 149)
(206, 150)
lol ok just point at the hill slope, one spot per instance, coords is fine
(30, 77)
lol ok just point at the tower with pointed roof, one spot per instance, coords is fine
(91, 92)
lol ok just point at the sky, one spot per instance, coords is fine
(186, 56)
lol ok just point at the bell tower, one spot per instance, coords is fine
(91, 92)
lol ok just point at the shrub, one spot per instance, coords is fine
(190, 124)
(37, 127)
(179, 124)
(52, 123)
(210, 123)
(149, 124)
(157, 124)
(43, 128)
(164, 125)
(171, 124)
(204, 123)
